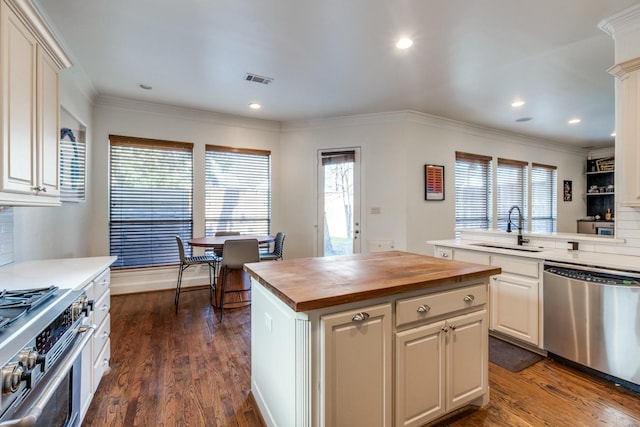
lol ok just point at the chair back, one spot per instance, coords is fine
(235, 253)
(278, 247)
(180, 248)
(227, 233)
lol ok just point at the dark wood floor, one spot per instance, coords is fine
(190, 370)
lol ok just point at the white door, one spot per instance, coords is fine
(339, 231)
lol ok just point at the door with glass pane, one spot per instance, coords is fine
(339, 202)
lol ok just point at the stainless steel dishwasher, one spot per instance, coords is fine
(592, 317)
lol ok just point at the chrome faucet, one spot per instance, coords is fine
(521, 239)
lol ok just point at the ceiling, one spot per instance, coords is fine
(470, 58)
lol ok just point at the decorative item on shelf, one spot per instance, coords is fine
(607, 216)
(606, 165)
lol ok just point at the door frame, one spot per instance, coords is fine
(318, 247)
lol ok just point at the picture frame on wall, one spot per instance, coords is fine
(567, 191)
(433, 182)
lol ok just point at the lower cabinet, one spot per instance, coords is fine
(440, 366)
(95, 357)
(515, 300)
(357, 367)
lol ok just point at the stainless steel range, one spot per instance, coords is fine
(41, 338)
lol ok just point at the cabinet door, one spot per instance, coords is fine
(419, 386)
(48, 126)
(467, 345)
(18, 62)
(514, 306)
(356, 367)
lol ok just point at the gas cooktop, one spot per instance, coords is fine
(14, 304)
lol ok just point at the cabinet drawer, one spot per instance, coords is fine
(101, 284)
(101, 336)
(101, 365)
(101, 308)
(514, 265)
(433, 305)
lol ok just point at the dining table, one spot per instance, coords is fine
(236, 279)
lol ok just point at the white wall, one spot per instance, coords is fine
(395, 148)
(58, 232)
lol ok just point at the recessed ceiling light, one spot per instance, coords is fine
(613, 133)
(574, 121)
(404, 43)
(255, 106)
(517, 104)
(145, 87)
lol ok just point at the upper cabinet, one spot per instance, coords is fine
(30, 62)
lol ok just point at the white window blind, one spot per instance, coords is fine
(473, 191)
(73, 152)
(512, 191)
(238, 190)
(151, 199)
(543, 198)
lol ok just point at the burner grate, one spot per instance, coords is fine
(14, 304)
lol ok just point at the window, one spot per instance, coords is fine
(151, 199)
(512, 191)
(238, 190)
(543, 198)
(473, 191)
(73, 153)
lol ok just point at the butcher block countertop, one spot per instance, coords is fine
(312, 283)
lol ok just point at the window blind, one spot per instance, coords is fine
(512, 191)
(73, 153)
(544, 192)
(151, 199)
(238, 190)
(473, 191)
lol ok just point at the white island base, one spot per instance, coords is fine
(400, 360)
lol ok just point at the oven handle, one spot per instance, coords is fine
(59, 374)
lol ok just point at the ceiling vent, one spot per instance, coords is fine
(258, 79)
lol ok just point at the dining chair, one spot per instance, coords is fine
(278, 249)
(235, 253)
(218, 253)
(186, 262)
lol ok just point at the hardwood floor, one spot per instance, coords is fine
(190, 370)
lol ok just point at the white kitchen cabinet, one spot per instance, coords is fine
(356, 367)
(95, 357)
(515, 298)
(30, 62)
(441, 365)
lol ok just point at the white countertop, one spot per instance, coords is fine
(67, 273)
(603, 260)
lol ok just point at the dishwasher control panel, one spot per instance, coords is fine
(604, 276)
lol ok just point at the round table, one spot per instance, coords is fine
(236, 279)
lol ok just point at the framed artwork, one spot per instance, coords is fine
(567, 191)
(433, 182)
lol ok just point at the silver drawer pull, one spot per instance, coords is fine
(469, 298)
(423, 309)
(360, 317)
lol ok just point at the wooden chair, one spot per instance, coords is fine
(186, 262)
(278, 249)
(235, 254)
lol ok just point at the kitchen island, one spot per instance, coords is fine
(389, 338)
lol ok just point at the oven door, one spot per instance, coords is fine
(55, 402)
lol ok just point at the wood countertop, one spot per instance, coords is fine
(312, 283)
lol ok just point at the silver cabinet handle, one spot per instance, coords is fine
(444, 255)
(423, 308)
(360, 317)
(469, 298)
(453, 327)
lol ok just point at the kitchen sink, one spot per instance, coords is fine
(509, 247)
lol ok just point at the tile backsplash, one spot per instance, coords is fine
(6, 235)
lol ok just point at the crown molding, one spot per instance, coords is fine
(621, 22)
